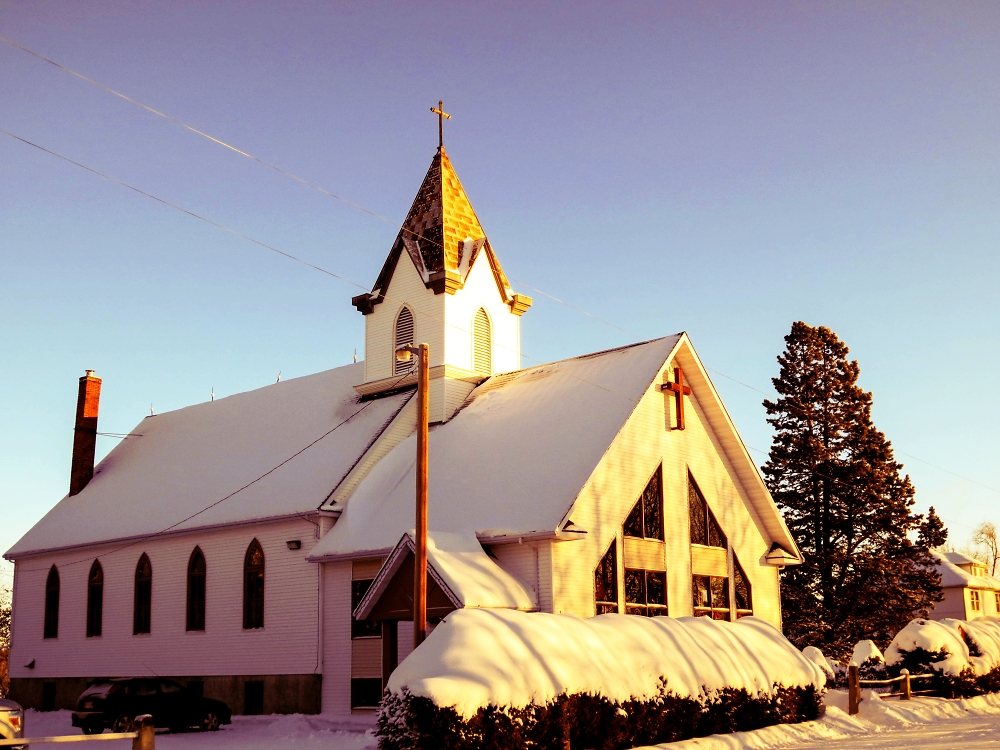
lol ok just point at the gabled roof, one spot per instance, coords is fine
(188, 459)
(460, 567)
(443, 237)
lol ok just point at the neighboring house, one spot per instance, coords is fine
(969, 592)
(227, 544)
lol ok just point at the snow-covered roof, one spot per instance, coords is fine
(960, 558)
(467, 575)
(523, 448)
(954, 576)
(188, 459)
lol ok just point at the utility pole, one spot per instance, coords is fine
(404, 354)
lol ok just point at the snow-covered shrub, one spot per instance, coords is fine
(963, 655)
(499, 679)
(816, 656)
(871, 663)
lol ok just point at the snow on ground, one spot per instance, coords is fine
(245, 733)
(924, 723)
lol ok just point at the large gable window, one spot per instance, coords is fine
(705, 530)
(482, 344)
(403, 337)
(645, 520)
(95, 599)
(645, 592)
(196, 591)
(606, 581)
(253, 587)
(142, 605)
(52, 604)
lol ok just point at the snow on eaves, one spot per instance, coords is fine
(952, 575)
(190, 458)
(512, 461)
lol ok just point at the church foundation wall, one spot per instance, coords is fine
(282, 693)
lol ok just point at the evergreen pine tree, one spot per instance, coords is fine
(839, 487)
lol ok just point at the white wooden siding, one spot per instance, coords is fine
(285, 645)
(521, 562)
(337, 638)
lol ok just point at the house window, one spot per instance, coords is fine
(196, 591)
(143, 600)
(974, 600)
(366, 692)
(482, 344)
(645, 592)
(52, 604)
(645, 520)
(741, 590)
(253, 587)
(711, 597)
(996, 597)
(95, 599)
(403, 337)
(362, 628)
(606, 582)
(705, 530)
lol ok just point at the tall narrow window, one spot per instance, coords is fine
(645, 520)
(143, 601)
(52, 604)
(95, 599)
(482, 344)
(705, 530)
(403, 337)
(253, 587)
(741, 588)
(606, 581)
(196, 591)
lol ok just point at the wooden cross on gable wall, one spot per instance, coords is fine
(680, 391)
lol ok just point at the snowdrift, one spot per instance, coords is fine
(502, 678)
(952, 647)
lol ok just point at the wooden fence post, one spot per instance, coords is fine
(853, 689)
(145, 738)
(905, 674)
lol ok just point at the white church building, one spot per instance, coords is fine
(256, 547)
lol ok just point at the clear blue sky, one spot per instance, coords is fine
(719, 168)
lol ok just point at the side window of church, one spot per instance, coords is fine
(741, 588)
(362, 628)
(705, 530)
(196, 591)
(606, 581)
(95, 599)
(403, 337)
(142, 605)
(52, 604)
(645, 520)
(253, 587)
(482, 344)
(711, 597)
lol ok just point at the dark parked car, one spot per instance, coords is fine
(114, 704)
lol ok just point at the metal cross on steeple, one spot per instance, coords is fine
(442, 116)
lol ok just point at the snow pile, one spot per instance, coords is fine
(817, 657)
(478, 658)
(866, 650)
(957, 645)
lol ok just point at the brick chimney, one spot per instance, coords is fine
(85, 432)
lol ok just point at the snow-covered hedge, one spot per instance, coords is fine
(507, 679)
(964, 654)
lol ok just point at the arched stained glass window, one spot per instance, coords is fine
(142, 607)
(482, 343)
(403, 337)
(253, 587)
(196, 591)
(52, 604)
(95, 599)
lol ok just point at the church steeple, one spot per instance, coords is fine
(443, 238)
(441, 284)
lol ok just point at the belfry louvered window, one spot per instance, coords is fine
(482, 344)
(403, 337)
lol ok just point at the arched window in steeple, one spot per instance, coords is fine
(142, 606)
(482, 343)
(403, 337)
(95, 599)
(52, 604)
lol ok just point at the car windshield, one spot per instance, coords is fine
(167, 687)
(99, 688)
